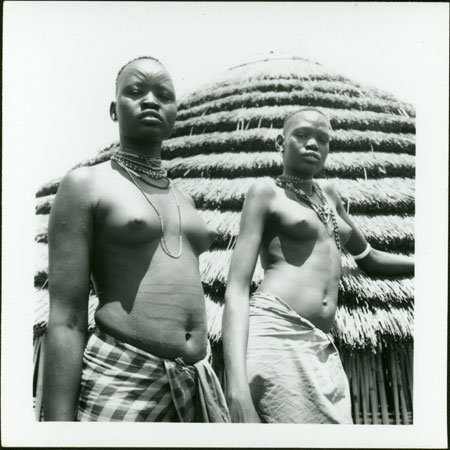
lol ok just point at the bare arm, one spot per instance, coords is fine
(235, 319)
(376, 262)
(70, 245)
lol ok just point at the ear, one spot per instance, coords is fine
(112, 111)
(279, 143)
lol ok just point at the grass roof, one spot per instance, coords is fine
(224, 139)
(371, 196)
(318, 84)
(273, 116)
(225, 131)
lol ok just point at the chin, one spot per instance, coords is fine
(153, 135)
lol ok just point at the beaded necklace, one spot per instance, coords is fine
(164, 246)
(323, 211)
(140, 163)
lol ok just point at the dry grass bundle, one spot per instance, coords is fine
(299, 98)
(282, 84)
(273, 68)
(383, 196)
(44, 204)
(263, 139)
(389, 233)
(259, 164)
(355, 288)
(393, 233)
(273, 116)
(282, 68)
(362, 329)
(354, 329)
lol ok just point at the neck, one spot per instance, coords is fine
(143, 148)
(302, 180)
(305, 178)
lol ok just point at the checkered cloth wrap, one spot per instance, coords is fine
(123, 383)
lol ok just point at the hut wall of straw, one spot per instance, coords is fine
(225, 132)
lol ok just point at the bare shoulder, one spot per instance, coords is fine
(260, 197)
(328, 188)
(264, 189)
(82, 183)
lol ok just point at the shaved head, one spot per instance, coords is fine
(151, 58)
(303, 112)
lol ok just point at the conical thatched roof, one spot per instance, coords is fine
(224, 139)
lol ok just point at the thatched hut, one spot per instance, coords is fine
(224, 139)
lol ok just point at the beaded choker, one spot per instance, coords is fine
(296, 182)
(323, 211)
(141, 164)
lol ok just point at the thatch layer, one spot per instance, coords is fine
(289, 69)
(318, 84)
(354, 328)
(393, 233)
(356, 288)
(299, 98)
(262, 140)
(292, 68)
(388, 195)
(383, 196)
(273, 117)
(259, 164)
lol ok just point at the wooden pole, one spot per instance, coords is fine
(39, 386)
(355, 390)
(405, 380)
(362, 383)
(404, 409)
(372, 388)
(394, 387)
(381, 388)
(410, 371)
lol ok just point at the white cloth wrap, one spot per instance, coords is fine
(293, 368)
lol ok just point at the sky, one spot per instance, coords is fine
(61, 58)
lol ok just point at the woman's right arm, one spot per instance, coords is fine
(70, 236)
(255, 213)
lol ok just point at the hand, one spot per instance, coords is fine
(242, 411)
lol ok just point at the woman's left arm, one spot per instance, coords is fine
(374, 262)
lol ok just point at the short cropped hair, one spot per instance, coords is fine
(306, 108)
(133, 60)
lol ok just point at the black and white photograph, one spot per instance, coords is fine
(226, 220)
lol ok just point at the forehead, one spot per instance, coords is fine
(144, 70)
(309, 119)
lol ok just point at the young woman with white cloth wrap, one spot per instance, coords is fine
(281, 364)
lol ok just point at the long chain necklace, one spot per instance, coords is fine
(163, 239)
(323, 211)
(140, 163)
